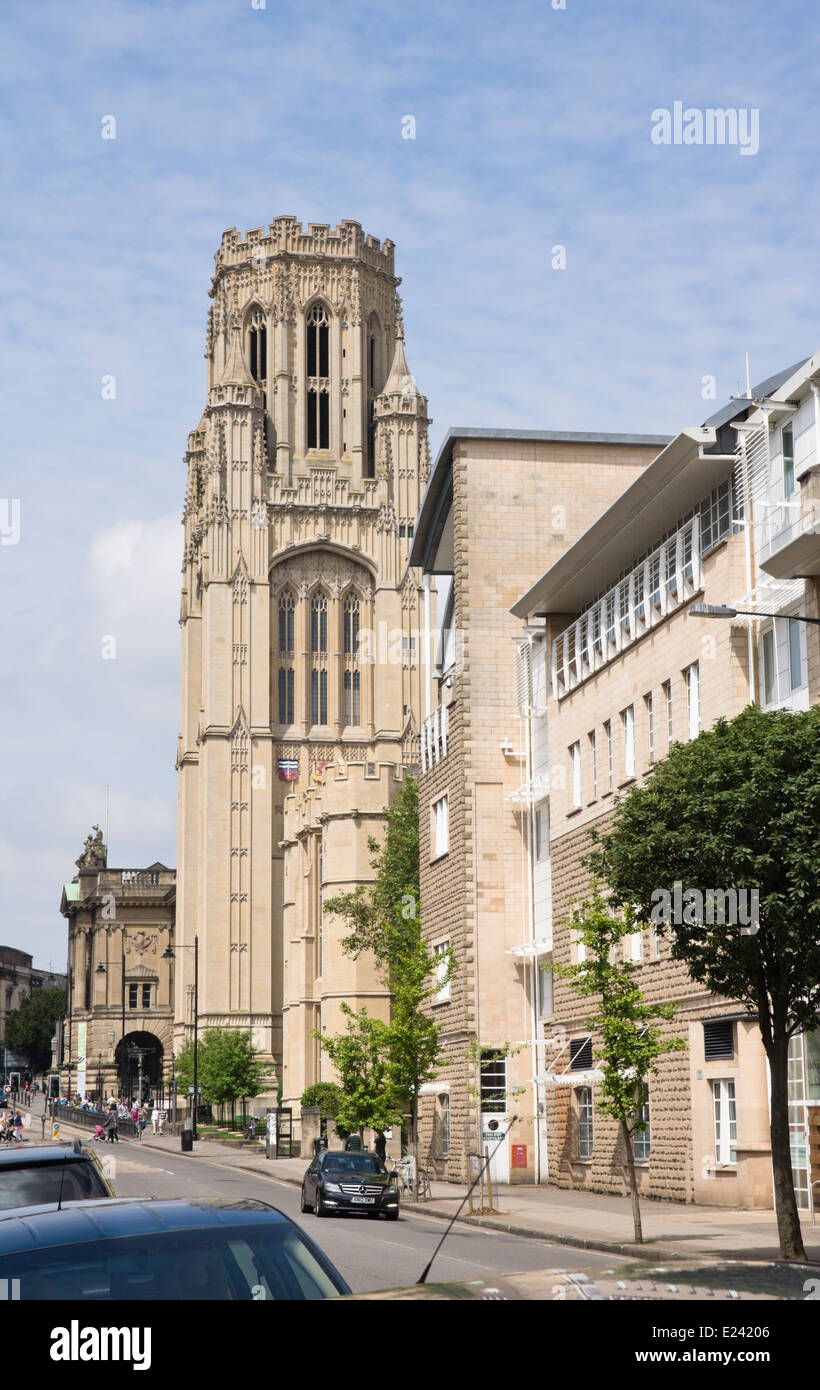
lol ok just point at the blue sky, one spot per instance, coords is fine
(532, 129)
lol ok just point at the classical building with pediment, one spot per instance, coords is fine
(301, 629)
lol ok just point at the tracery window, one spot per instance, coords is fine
(287, 608)
(318, 374)
(352, 677)
(318, 623)
(258, 346)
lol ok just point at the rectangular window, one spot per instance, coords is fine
(692, 679)
(769, 685)
(356, 720)
(146, 996)
(715, 516)
(724, 1111)
(546, 1003)
(440, 826)
(441, 952)
(667, 695)
(635, 946)
(718, 1040)
(655, 582)
(623, 609)
(628, 723)
(788, 460)
(795, 655)
(608, 737)
(650, 725)
(609, 619)
(597, 645)
(444, 1123)
(318, 696)
(575, 764)
(641, 1137)
(593, 757)
(585, 1122)
(493, 1080)
(133, 996)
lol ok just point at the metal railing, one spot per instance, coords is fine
(89, 1119)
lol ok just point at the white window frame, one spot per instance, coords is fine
(650, 724)
(724, 1120)
(635, 946)
(575, 774)
(586, 1124)
(608, 735)
(440, 826)
(691, 677)
(593, 754)
(642, 1139)
(628, 727)
(670, 723)
(441, 953)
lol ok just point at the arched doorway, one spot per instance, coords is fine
(138, 1059)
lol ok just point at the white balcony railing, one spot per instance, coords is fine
(434, 738)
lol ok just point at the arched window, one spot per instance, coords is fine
(318, 374)
(373, 385)
(287, 608)
(352, 678)
(318, 623)
(286, 701)
(258, 346)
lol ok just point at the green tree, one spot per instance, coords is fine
(30, 1028)
(384, 919)
(327, 1095)
(229, 1067)
(737, 808)
(360, 1056)
(630, 1039)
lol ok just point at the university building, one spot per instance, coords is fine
(725, 515)
(494, 503)
(300, 630)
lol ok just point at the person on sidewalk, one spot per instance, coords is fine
(18, 1127)
(380, 1145)
(112, 1126)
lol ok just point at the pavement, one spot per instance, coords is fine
(587, 1220)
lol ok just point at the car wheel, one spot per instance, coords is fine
(319, 1208)
(392, 1215)
(303, 1205)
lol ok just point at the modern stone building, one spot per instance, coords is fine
(119, 1022)
(495, 501)
(726, 514)
(300, 645)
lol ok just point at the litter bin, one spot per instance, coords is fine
(187, 1140)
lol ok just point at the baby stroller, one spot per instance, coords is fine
(99, 1132)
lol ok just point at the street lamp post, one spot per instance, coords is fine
(720, 610)
(168, 954)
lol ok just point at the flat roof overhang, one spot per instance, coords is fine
(669, 487)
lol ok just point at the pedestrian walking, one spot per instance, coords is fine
(18, 1126)
(112, 1126)
(380, 1145)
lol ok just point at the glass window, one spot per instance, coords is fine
(546, 1004)
(692, 679)
(609, 619)
(318, 696)
(133, 996)
(725, 1121)
(628, 723)
(575, 764)
(493, 1080)
(441, 952)
(788, 460)
(286, 612)
(655, 581)
(585, 1122)
(795, 655)
(769, 685)
(146, 996)
(715, 516)
(650, 725)
(667, 695)
(593, 756)
(318, 623)
(351, 625)
(441, 826)
(641, 1137)
(444, 1123)
(608, 737)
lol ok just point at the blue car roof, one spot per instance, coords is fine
(108, 1219)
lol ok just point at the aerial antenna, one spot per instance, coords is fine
(475, 1181)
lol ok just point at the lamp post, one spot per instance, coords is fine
(168, 954)
(720, 610)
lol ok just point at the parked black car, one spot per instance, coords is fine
(215, 1248)
(351, 1182)
(35, 1174)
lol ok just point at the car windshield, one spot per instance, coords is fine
(353, 1163)
(236, 1264)
(35, 1184)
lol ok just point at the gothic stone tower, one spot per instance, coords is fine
(300, 647)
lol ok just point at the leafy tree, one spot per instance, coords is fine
(30, 1028)
(327, 1095)
(737, 808)
(360, 1055)
(631, 1040)
(384, 919)
(229, 1066)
